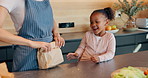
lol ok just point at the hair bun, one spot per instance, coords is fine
(109, 13)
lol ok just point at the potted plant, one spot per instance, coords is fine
(130, 9)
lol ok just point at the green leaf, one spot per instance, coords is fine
(130, 8)
(127, 5)
(140, 3)
(121, 3)
(116, 6)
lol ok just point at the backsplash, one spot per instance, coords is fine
(78, 11)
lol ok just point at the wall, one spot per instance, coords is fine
(78, 11)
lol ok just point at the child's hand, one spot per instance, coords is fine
(72, 56)
(95, 59)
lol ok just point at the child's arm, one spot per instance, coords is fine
(95, 59)
(72, 56)
(79, 51)
(109, 54)
(81, 47)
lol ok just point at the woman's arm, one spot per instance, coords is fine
(8, 37)
(55, 29)
(58, 39)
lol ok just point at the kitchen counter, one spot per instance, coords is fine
(88, 69)
(79, 35)
(126, 42)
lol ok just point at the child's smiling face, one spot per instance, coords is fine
(98, 22)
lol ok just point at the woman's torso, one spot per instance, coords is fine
(16, 9)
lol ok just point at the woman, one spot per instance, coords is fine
(33, 20)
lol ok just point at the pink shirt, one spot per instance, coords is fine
(104, 48)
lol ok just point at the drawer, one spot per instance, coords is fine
(2, 54)
(10, 52)
(144, 47)
(9, 66)
(70, 46)
(125, 40)
(124, 50)
(142, 38)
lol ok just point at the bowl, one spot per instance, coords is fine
(113, 31)
(130, 29)
(118, 70)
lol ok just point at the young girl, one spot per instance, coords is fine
(97, 45)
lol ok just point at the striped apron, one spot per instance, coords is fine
(37, 26)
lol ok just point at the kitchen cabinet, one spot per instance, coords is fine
(126, 42)
(9, 65)
(70, 46)
(10, 51)
(2, 53)
(124, 49)
(144, 47)
(68, 61)
(143, 40)
(6, 55)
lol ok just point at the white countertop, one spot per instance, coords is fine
(143, 30)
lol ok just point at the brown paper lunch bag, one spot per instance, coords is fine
(4, 71)
(50, 59)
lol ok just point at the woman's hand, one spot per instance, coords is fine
(95, 59)
(59, 41)
(41, 45)
(72, 56)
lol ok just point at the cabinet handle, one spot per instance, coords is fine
(137, 48)
(147, 36)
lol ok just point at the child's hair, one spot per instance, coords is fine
(108, 12)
